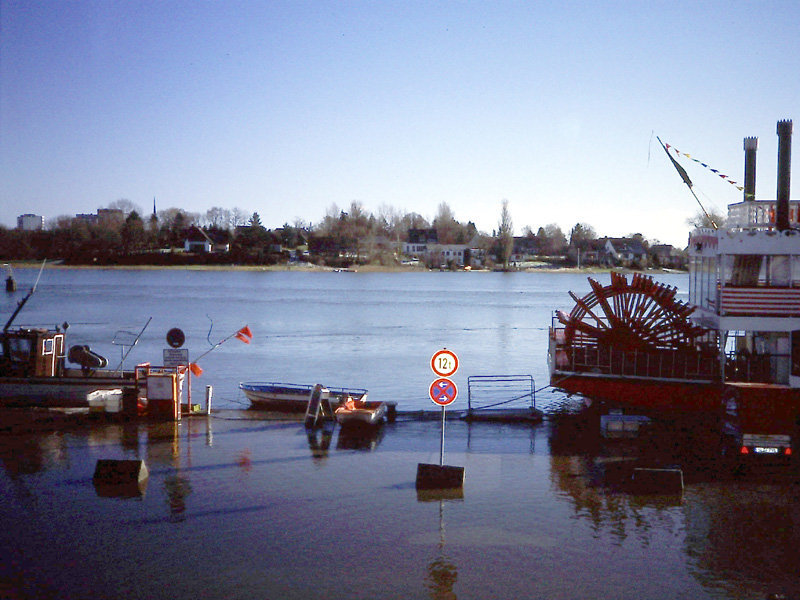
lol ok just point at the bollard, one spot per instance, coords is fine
(209, 393)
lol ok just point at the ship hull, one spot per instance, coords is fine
(642, 392)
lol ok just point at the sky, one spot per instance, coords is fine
(287, 108)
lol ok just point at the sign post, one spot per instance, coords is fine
(443, 391)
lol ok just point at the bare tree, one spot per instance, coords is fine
(238, 217)
(447, 228)
(505, 235)
(218, 217)
(126, 206)
(713, 218)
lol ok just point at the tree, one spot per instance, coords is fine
(580, 236)
(505, 234)
(551, 240)
(701, 219)
(238, 217)
(133, 233)
(447, 228)
(126, 206)
(255, 221)
(218, 217)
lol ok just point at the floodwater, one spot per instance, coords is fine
(237, 506)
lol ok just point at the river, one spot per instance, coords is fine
(369, 330)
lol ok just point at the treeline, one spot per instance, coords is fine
(121, 234)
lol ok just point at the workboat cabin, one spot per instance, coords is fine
(31, 353)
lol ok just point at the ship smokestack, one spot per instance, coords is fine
(784, 169)
(750, 148)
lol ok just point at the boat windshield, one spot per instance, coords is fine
(19, 349)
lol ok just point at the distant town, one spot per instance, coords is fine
(122, 235)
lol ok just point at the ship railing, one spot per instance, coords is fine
(746, 367)
(665, 364)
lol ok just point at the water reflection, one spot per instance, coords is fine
(442, 573)
(749, 528)
(319, 441)
(359, 438)
(739, 532)
(178, 489)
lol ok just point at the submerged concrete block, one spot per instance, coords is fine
(115, 472)
(431, 477)
(120, 478)
(657, 481)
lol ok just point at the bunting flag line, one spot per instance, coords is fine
(701, 163)
(244, 334)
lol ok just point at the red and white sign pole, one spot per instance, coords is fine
(443, 391)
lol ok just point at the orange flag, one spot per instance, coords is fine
(246, 331)
(240, 336)
(195, 369)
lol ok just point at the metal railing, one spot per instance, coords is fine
(500, 391)
(665, 364)
(673, 364)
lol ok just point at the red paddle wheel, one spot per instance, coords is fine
(632, 342)
(640, 315)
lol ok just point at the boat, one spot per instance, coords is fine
(354, 412)
(291, 397)
(34, 371)
(733, 347)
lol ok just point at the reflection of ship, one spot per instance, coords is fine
(738, 337)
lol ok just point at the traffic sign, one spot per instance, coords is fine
(175, 337)
(176, 357)
(444, 363)
(443, 391)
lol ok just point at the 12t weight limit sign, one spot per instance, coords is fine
(444, 363)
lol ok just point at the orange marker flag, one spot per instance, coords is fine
(242, 337)
(195, 369)
(246, 331)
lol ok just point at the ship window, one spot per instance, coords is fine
(794, 266)
(796, 353)
(48, 346)
(779, 274)
(744, 270)
(19, 349)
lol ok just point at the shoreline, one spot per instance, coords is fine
(310, 268)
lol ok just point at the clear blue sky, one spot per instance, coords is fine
(286, 108)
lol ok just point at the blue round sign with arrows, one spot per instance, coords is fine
(443, 391)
